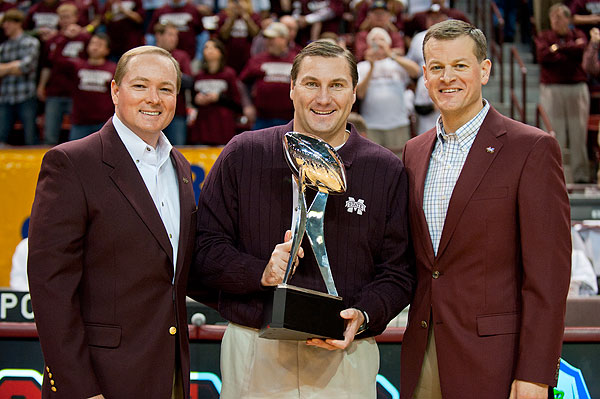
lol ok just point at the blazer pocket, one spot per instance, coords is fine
(496, 324)
(103, 335)
(490, 193)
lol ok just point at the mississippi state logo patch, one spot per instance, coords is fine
(354, 205)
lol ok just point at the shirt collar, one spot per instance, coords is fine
(137, 147)
(465, 134)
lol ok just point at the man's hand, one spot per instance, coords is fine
(528, 390)
(97, 397)
(595, 35)
(275, 270)
(354, 319)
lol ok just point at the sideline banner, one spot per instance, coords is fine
(19, 168)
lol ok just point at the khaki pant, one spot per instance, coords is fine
(568, 108)
(253, 367)
(428, 386)
(393, 139)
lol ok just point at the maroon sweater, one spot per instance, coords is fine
(245, 207)
(564, 65)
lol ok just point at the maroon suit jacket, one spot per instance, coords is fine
(497, 288)
(100, 274)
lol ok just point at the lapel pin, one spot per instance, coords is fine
(185, 180)
(490, 150)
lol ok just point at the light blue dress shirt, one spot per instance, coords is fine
(446, 163)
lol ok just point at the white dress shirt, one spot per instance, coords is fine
(159, 174)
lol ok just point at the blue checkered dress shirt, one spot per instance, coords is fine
(445, 165)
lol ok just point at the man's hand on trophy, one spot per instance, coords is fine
(354, 319)
(275, 270)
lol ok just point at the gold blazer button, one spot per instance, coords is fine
(173, 330)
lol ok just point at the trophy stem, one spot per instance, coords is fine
(299, 228)
(316, 216)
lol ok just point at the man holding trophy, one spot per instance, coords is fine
(302, 319)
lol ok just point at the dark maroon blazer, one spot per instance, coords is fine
(496, 290)
(100, 273)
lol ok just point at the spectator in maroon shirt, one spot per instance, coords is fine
(378, 17)
(167, 37)
(237, 27)
(55, 85)
(42, 19)
(259, 44)
(363, 9)
(563, 88)
(123, 20)
(92, 103)
(419, 21)
(316, 17)
(586, 14)
(268, 76)
(216, 97)
(186, 18)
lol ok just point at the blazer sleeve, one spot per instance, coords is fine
(55, 268)
(544, 220)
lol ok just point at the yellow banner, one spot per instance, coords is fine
(19, 170)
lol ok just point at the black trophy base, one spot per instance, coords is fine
(298, 314)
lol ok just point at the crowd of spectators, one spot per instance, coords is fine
(57, 58)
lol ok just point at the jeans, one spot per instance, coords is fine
(176, 132)
(26, 113)
(56, 109)
(80, 131)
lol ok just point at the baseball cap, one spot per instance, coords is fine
(276, 29)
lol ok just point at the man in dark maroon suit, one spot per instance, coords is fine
(110, 242)
(489, 215)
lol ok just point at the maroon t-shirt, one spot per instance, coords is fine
(215, 123)
(124, 33)
(188, 21)
(41, 15)
(305, 7)
(57, 50)
(184, 64)
(88, 9)
(92, 103)
(270, 80)
(239, 43)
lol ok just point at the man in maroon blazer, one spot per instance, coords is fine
(489, 215)
(110, 243)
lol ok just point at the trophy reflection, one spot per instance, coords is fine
(296, 313)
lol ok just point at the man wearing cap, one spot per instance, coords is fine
(378, 17)
(267, 76)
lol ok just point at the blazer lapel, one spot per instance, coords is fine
(420, 167)
(129, 181)
(485, 149)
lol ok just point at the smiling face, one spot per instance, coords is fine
(145, 99)
(454, 77)
(323, 96)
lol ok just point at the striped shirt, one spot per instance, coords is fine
(15, 89)
(445, 165)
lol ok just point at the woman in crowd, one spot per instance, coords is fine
(217, 98)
